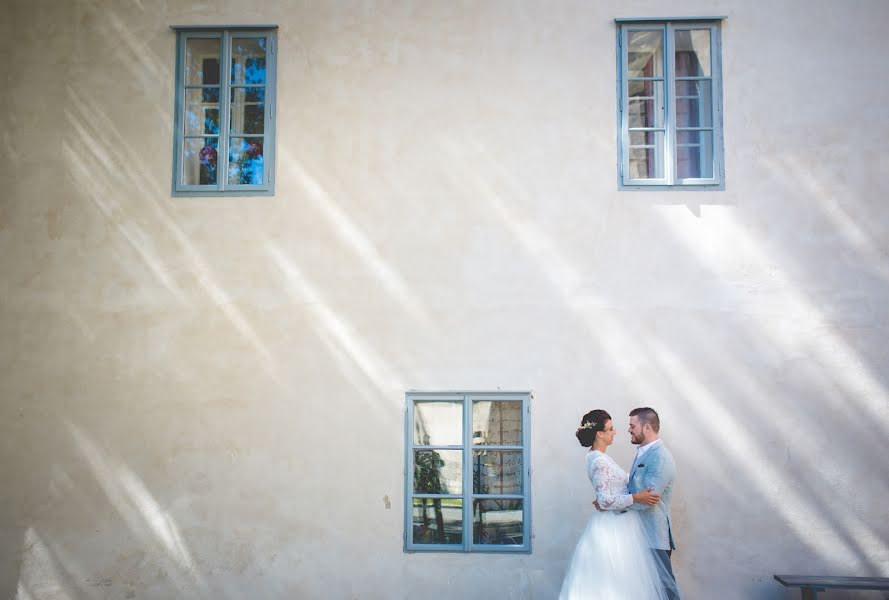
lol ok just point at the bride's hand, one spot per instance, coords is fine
(647, 496)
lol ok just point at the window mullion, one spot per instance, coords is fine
(716, 101)
(467, 472)
(409, 474)
(670, 115)
(224, 109)
(526, 472)
(624, 106)
(181, 49)
(271, 61)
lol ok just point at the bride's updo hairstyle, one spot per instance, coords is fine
(590, 424)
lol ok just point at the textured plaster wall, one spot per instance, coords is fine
(203, 398)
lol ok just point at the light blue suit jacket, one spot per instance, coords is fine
(655, 469)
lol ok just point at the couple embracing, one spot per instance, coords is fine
(624, 552)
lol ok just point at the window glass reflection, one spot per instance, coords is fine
(497, 522)
(248, 61)
(437, 521)
(438, 471)
(200, 161)
(497, 422)
(245, 161)
(692, 50)
(497, 472)
(202, 61)
(645, 57)
(438, 423)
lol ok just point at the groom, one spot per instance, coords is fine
(653, 467)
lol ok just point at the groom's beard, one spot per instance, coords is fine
(636, 440)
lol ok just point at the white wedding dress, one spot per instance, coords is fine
(612, 560)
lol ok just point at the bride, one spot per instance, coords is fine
(612, 560)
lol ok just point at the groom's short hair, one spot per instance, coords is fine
(647, 416)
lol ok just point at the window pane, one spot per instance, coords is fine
(645, 89)
(694, 106)
(248, 61)
(694, 154)
(497, 522)
(497, 422)
(644, 138)
(645, 53)
(645, 113)
(497, 472)
(199, 161)
(202, 61)
(248, 110)
(438, 423)
(201, 116)
(438, 471)
(245, 161)
(437, 521)
(647, 160)
(692, 53)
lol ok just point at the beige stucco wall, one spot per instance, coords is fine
(203, 398)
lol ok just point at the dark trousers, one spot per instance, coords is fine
(666, 571)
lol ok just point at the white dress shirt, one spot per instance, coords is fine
(642, 450)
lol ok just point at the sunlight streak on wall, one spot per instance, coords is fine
(351, 235)
(831, 352)
(141, 512)
(796, 510)
(101, 184)
(619, 340)
(726, 240)
(137, 241)
(22, 593)
(40, 576)
(595, 311)
(329, 323)
(565, 276)
(783, 167)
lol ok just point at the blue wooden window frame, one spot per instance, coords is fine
(668, 147)
(467, 494)
(222, 187)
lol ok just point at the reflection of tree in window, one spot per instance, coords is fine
(427, 480)
(210, 98)
(247, 111)
(254, 70)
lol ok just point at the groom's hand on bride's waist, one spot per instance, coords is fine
(647, 496)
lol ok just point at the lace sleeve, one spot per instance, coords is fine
(611, 490)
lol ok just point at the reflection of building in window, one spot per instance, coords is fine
(497, 472)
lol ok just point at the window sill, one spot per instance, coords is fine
(218, 194)
(716, 187)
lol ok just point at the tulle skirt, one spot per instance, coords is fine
(612, 561)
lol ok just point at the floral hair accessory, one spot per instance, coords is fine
(587, 425)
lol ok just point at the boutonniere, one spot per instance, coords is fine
(640, 466)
